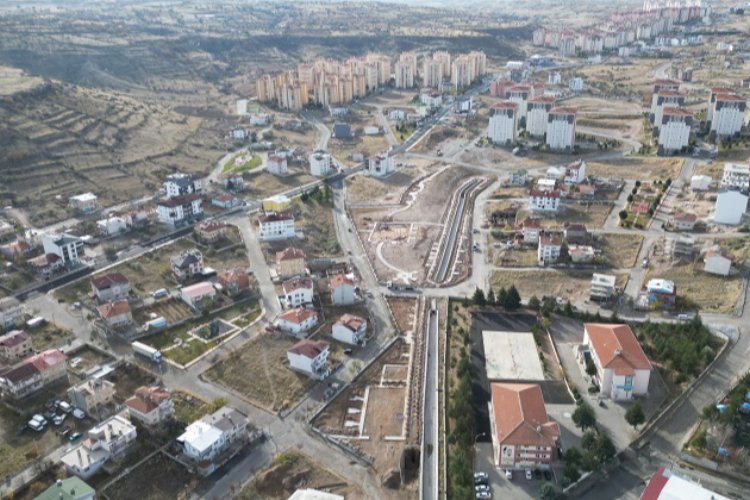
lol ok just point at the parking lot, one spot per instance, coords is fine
(518, 486)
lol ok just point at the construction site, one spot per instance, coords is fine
(422, 238)
(377, 417)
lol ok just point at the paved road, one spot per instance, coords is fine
(429, 473)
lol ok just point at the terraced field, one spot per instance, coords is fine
(59, 140)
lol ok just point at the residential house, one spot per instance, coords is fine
(602, 287)
(290, 262)
(575, 172)
(518, 177)
(110, 287)
(46, 264)
(116, 314)
(234, 281)
(92, 395)
(276, 226)
(108, 440)
(622, 368)
(661, 293)
(587, 191)
(681, 246)
(575, 233)
(14, 346)
(33, 373)
(700, 182)
(276, 203)
(112, 225)
(717, 262)
(736, 175)
(205, 440)
(151, 406)
(297, 320)
(350, 329)
(531, 228)
(342, 290)
(187, 264)
(683, 221)
(84, 203)
(179, 184)
(310, 357)
(180, 210)
(548, 251)
(196, 295)
(297, 292)
(544, 200)
(67, 247)
(523, 436)
(11, 313)
(380, 165)
(277, 165)
(581, 254)
(730, 207)
(72, 488)
(211, 231)
(225, 201)
(320, 163)
(14, 249)
(233, 181)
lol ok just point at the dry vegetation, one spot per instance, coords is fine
(571, 285)
(636, 168)
(708, 292)
(620, 250)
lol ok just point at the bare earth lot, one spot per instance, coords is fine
(157, 478)
(570, 285)
(637, 168)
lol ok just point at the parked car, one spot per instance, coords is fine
(348, 351)
(481, 475)
(481, 481)
(37, 423)
(537, 473)
(75, 437)
(483, 494)
(481, 487)
(547, 475)
(529, 474)
(59, 419)
(508, 474)
(64, 406)
(78, 414)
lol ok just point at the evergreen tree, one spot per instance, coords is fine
(479, 299)
(490, 297)
(513, 300)
(634, 415)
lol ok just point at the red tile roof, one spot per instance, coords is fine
(235, 277)
(686, 217)
(340, 279)
(48, 359)
(108, 280)
(563, 110)
(351, 321)
(532, 222)
(275, 216)
(147, 399)
(298, 315)
(617, 348)
(13, 338)
(114, 309)
(296, 284)
(521, 417)
(543, 193)
(505, 105)
(179, 200)
(309, 348)
(677, 112)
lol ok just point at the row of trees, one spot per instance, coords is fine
(686, 348)
(463, 430)
(510, 299)
(324, 195)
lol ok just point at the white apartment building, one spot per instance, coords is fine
(674, 132)
(67, 247)
(736, 175)
(276, 226)
(181, 184)
(561, 129)
(548, 251)
(206, 438)
(84, 203)
(543, 200)
(575, 172)
(179, 209)
(277, 165)
(431, 99)
(320, 163)
(105, 441)
(432, 73)
(297, 292)
(714, 93)
(728, 114)
(602, 286)
(380, 165)
(537, 113)
(665, 99)
(576, 84)
(520, 94)
(503, 123)
(404, 73)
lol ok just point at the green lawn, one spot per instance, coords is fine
(188, 351)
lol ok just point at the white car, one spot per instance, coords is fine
(37, 423)
(59, 419)
(508, 474)
(78, 414)
(529, 474)
(64, 406)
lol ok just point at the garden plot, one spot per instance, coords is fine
(259, 372)
(372, 413)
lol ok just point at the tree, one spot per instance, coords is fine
(568, 309)
(588, 440)
(573, 456)
(630, 198)
(584, 416)
(534, 303)
(491, 297)
(571, 472)
(502, 297)
(547, 492)
(623, 214)
(604, 449)
(479, 299)
(637, 184)
(513, 301)
(634, 415)
(110, 253)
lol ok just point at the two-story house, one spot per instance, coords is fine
(349, 329)
(14, 346)
(297, 292)
(290, 262)
(111, 438)
(342, 290)
(110, 287)
(297, 320)
(92, 395)
(151, 406)
(542, 200)
(187, 264)
(310, 357)
(116, 314)
(33, 373)
(204, 440)
(622, 368)
(276, 226)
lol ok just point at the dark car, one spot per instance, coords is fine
(537, 473)
(547, 475)
(75, 437)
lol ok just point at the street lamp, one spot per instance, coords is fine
(481, 434)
